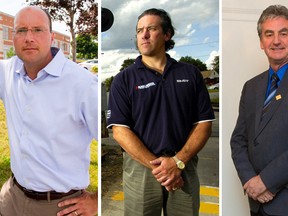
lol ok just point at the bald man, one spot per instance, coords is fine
(51, 108)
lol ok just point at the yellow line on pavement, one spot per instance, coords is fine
(118, 196)
(209, 208)
(205, 207)
(209, 191)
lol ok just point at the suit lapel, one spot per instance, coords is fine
(275, 103)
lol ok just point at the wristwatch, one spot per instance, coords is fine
(180, 164)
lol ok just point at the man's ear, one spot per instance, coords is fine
(52, 37)
(261, 44)
(168, 36)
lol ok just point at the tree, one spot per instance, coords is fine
(79, 15)
(87, 21)
(94, 69)
(215, 64)
(126, 63)
(196, 62)
(87, 48)
(108, 83)
(10, 52)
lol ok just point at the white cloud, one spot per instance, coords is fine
(210, 60)
(184, 15)
(173, 54)
(163, 1)
(183, 41)
(112, 61)
(195, 22)
(206, 39)
(191, 32)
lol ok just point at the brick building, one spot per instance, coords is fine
(61, 41)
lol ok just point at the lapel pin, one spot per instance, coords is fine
(278, 97)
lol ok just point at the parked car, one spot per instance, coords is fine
(215, 86)
(88, 64)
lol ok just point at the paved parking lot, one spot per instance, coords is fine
(208, 170)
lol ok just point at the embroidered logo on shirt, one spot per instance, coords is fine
(108, 114)
(145, 86)
(182, 81)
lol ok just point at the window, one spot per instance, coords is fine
(55, 43)
(5, 33)
(64, 46)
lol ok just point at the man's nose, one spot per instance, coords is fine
(276, 39)
(29, 35)
(146, 34)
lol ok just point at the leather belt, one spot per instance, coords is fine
(50, 195)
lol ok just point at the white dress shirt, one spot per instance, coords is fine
(51, 122)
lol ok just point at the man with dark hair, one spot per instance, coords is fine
(166, 25)
(51, 110)
(160, 114)
(259, 141)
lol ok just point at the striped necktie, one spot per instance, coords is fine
(272, 91)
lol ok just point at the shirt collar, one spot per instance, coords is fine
(54, 67)
(281, 71)
(140, 64)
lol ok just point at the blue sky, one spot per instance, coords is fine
(196, 23)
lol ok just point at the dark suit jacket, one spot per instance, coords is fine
(261, 146)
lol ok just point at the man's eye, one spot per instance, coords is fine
(38, 30)
(21, 30)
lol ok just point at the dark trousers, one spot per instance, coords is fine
(260, 213)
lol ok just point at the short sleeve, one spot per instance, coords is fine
(119, 106)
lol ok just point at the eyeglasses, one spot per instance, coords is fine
(22, 32)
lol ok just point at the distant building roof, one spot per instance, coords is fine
(209, 74)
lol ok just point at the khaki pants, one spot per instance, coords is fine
(144, 196)
(13, 202)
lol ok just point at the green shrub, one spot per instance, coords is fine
(94, 69)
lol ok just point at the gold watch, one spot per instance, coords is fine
(180, 164)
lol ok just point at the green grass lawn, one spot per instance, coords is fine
(214, 101)
(5, 157)
(4, 148)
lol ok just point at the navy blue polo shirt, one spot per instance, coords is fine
(160, 109)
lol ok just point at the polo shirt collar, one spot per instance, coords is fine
(140, 64)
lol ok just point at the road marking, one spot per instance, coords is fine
(206, 207)
(209, 200)
(118, 196)
(209, 191)
(209, 208)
